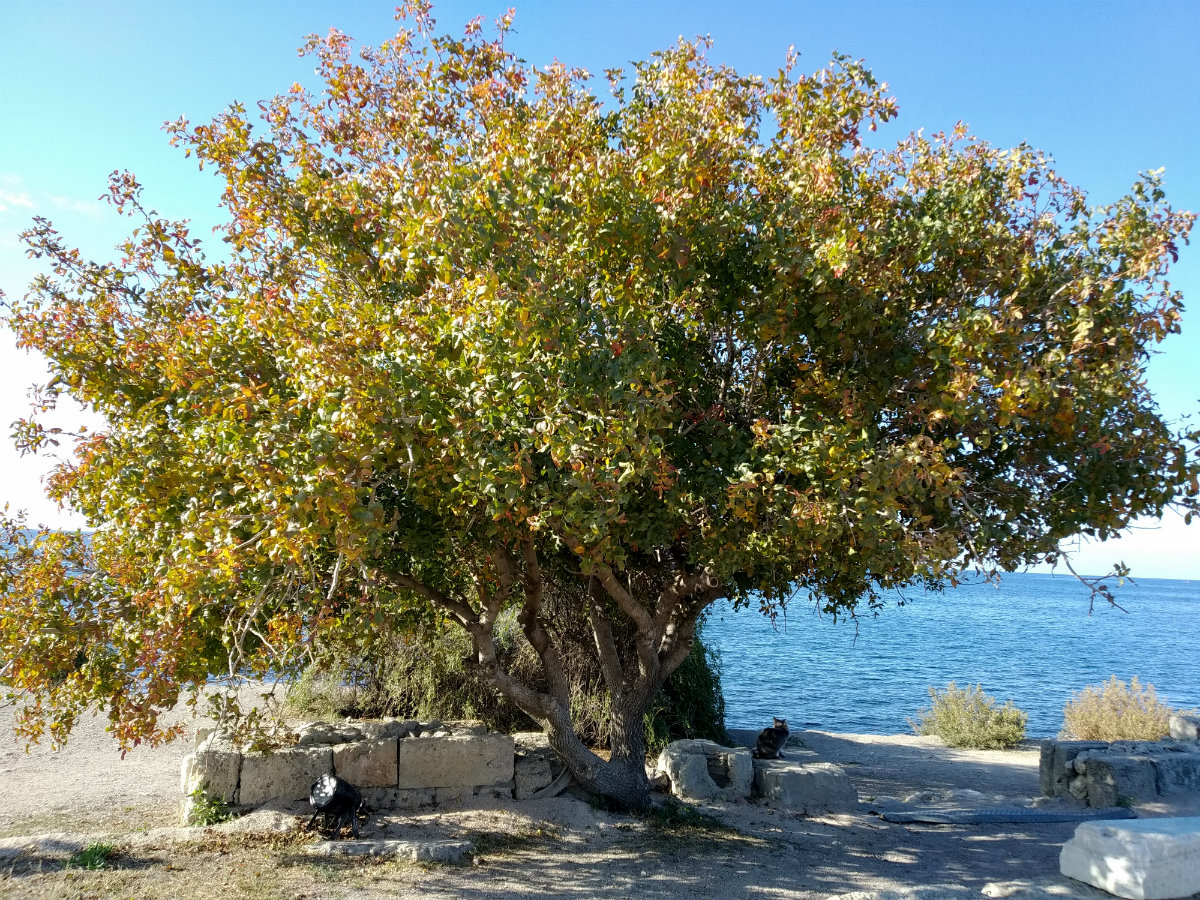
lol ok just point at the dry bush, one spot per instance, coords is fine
(967, 717)
(1116, 711)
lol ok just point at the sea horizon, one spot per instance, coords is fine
(1029, 639)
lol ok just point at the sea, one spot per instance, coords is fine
(1029, 639)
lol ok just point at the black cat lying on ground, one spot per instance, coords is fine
(771, 740)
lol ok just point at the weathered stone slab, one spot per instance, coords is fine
(531, 773)
(367, 764)
(1184, 726)
(454, 761)
(1178, 773)
(1115, 779)
(1053, 771)
(418, 851)
(811, 787)
(703, 770)
(1047, 887)
(282, 774)
(216, 771)
(1140, 859)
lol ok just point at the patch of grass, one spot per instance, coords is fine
(223, 842)
(969, 718)
(1116, 711)
(502, 843)
(674, 816)
(96, 855)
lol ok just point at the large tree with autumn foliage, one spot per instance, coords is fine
(481, 337)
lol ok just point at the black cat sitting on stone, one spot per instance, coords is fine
(771, 740)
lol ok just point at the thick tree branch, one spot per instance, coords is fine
(684, 640)
(624, 599)
(461, 611)
(646, 638)
(680, 603)
(530, 618)
(606, 646)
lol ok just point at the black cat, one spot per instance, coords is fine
(771, 740)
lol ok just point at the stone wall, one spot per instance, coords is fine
(396, 764)
(1104, 774)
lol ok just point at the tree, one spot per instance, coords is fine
(481, 338)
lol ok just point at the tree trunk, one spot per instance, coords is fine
(633, 675)
(622, 778)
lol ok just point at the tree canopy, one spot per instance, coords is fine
(479, 336)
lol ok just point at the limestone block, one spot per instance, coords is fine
(1185, 726)
(285, 775)
(418, 851)
(808, 787)
(1178, 773)
(1053, 765)
(454, 761)
(367, 763)
(467, 727)
(217, 771)
(1114, 778)
(531, 773)
(1139, 859)
(702, 770)
(688, 773)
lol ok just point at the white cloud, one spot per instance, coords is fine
(17, 197)
(91, 208)
(13, 194)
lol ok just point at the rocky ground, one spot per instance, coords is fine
(57, 802)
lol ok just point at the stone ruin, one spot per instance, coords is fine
(1104, 774)
(407, 764)
(704, 770)
(395, 764)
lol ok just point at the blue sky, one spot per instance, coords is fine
(1109, 89)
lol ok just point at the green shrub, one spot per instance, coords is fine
(967, 717)
(207, 810)
(691, 704)
(1116, 711)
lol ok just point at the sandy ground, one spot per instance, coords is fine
(559, 849)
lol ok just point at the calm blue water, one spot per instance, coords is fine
(1029, 640)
